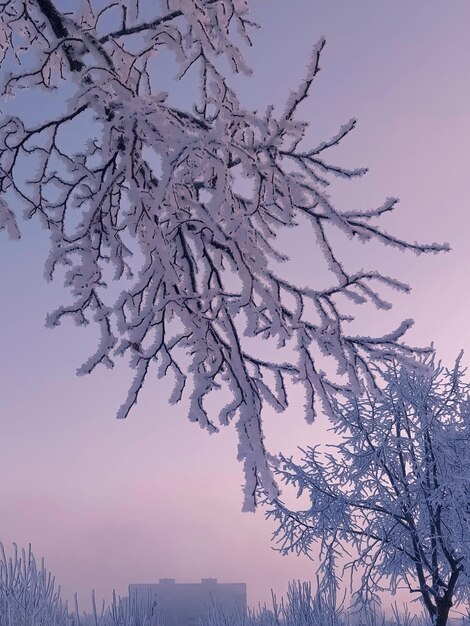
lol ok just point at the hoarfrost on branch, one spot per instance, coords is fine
(185, 206)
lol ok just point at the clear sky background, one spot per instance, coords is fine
(110, 502)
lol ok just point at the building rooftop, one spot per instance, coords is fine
(182, 604)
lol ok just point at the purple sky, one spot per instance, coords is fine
(110, 502)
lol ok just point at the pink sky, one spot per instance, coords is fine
(110, 502)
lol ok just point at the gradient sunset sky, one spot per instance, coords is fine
(108, 502)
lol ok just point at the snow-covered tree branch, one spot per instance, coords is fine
(393, 493)
(184, 206)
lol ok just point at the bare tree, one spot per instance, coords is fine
(184, 206)
(394, 492)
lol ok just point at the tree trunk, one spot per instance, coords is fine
(442, 615)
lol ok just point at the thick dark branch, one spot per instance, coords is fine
(153, 25)
(56, 22)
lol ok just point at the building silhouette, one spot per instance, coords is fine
(182, 604)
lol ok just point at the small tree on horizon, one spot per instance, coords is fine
(179, 211)
(390, 500)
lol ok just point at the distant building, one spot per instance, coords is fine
(182, 604)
